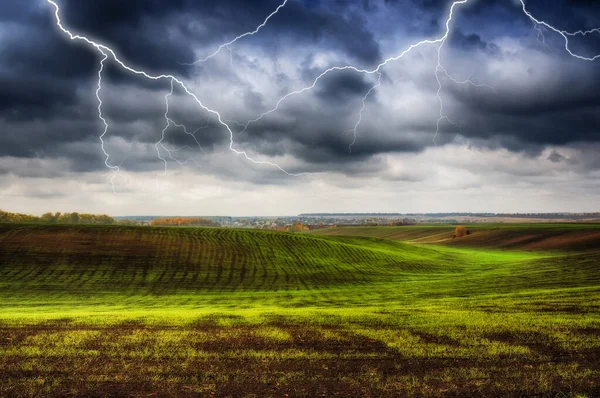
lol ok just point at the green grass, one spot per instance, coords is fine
(547, 236)
(373, 311)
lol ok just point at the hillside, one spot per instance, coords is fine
(94, 268)
(570, 237)
(169, 260)
(180, 311)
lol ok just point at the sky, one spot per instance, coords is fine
(494, 116)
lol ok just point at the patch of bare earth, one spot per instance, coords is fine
(237, 362)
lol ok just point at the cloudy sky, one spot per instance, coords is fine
(520, 130)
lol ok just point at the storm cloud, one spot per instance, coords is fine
(530, 101)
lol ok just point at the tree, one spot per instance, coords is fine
(298, 227)
(61, 218)
(461, 231)
(127, 222)
(49, 217)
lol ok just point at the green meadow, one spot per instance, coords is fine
(510, 310)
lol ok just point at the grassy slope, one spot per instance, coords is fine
(573, 237)
(175, 309)
(44, 268)
(60, 263)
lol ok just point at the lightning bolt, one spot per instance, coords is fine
(360, 113)
(439, 69)
(108, 54)
(114, 169)
(541, 37)
(159, 144)
(192, 134)
(377, 70)
(106, 51)
(229, 43)
(565, 35)
(162, 137)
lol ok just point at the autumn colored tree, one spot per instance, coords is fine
(298, 227)
(461, 231)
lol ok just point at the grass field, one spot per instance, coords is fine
(511, 310)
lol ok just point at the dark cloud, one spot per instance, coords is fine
(145, 33)
(471, 42)
(344, 31)
(39, 70)
(48, 108)
(160, 35)
(157, 36)
(557, 105)
(556, 157)
(570, 15)
(343, 86)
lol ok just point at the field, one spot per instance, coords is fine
(510, 310)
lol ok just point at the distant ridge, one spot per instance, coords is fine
(528, 215)
(393, 214)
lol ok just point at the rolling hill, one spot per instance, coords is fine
(555, 237)
(406, 311)
(168, 260)
(45, 267)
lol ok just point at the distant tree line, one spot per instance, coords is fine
(458, 214)
(57, 218)
(549, 215)
(395, 214)
(177, 222)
